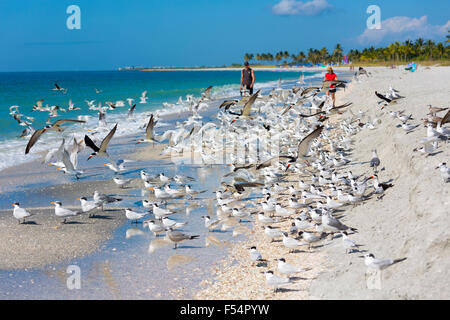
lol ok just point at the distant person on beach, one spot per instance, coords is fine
(329, 76)
(247, 78)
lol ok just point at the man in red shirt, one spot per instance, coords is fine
(330, 75)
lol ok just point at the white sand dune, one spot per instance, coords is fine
(412, 219)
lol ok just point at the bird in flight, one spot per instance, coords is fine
(100, 151)
(56, 126)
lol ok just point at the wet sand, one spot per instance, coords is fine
(43, 240)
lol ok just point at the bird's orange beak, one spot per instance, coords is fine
(78, 198)
(105, 165)
(12, 205)
(52, 202)
(151, 189)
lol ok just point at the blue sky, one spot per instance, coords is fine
(116, 33)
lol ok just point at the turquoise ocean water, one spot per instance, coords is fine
(25, 88)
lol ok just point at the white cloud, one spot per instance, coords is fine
(403, 28)
(292, 7)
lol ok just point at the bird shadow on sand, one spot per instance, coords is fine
(113, 210)
(284, 290)
(101, 217)
(218, 231)
(299, 278)
(298, 251)
(188, 247)
(434, 153)
(74, 222)
(32, 223)
(261, 264)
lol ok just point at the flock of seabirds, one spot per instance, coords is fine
(308, 145)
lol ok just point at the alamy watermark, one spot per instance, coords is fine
(374, 20)
(74, 280)
(74, 20)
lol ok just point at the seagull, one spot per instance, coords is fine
(290, 243)
(428, 148)
(264, 219)
(121, 182)
(379, 264)
(207, 93)
(176, 236)
(310, 238)
(332, 224)
(100, 151)
(375, 161)
(130, 101)
(102, 199)
(56, 126)
(58, 88)
(408, 127)
(161, 212)
(286, 268)
(255, 255)
(169, 223)
(348, 244)
(380, 187)
(149, 131)
(69, 167)
(209, 223)
(445, 172)
(143, 97)
(154, 227)
(118, 166)
(20, 213)
(63, 212)
(133, 216)
(272, 232)
(192, 193)
(131, 111)
(88, 206)
(274, 280)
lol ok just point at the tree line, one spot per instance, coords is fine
(419, 50)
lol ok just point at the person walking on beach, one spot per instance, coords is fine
(247, 78)
(329, 76)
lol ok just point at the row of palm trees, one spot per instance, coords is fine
(408, 50)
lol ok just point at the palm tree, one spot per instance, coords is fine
(278, 56)
(337, 53)
(430, 44)
(419, 50)
(323, 54)
(248, 56)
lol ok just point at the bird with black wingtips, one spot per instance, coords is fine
(177, 236)
(379, 264)
(100, 151)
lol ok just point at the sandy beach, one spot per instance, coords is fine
(409, 221)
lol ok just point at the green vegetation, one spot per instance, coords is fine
(419, 50)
